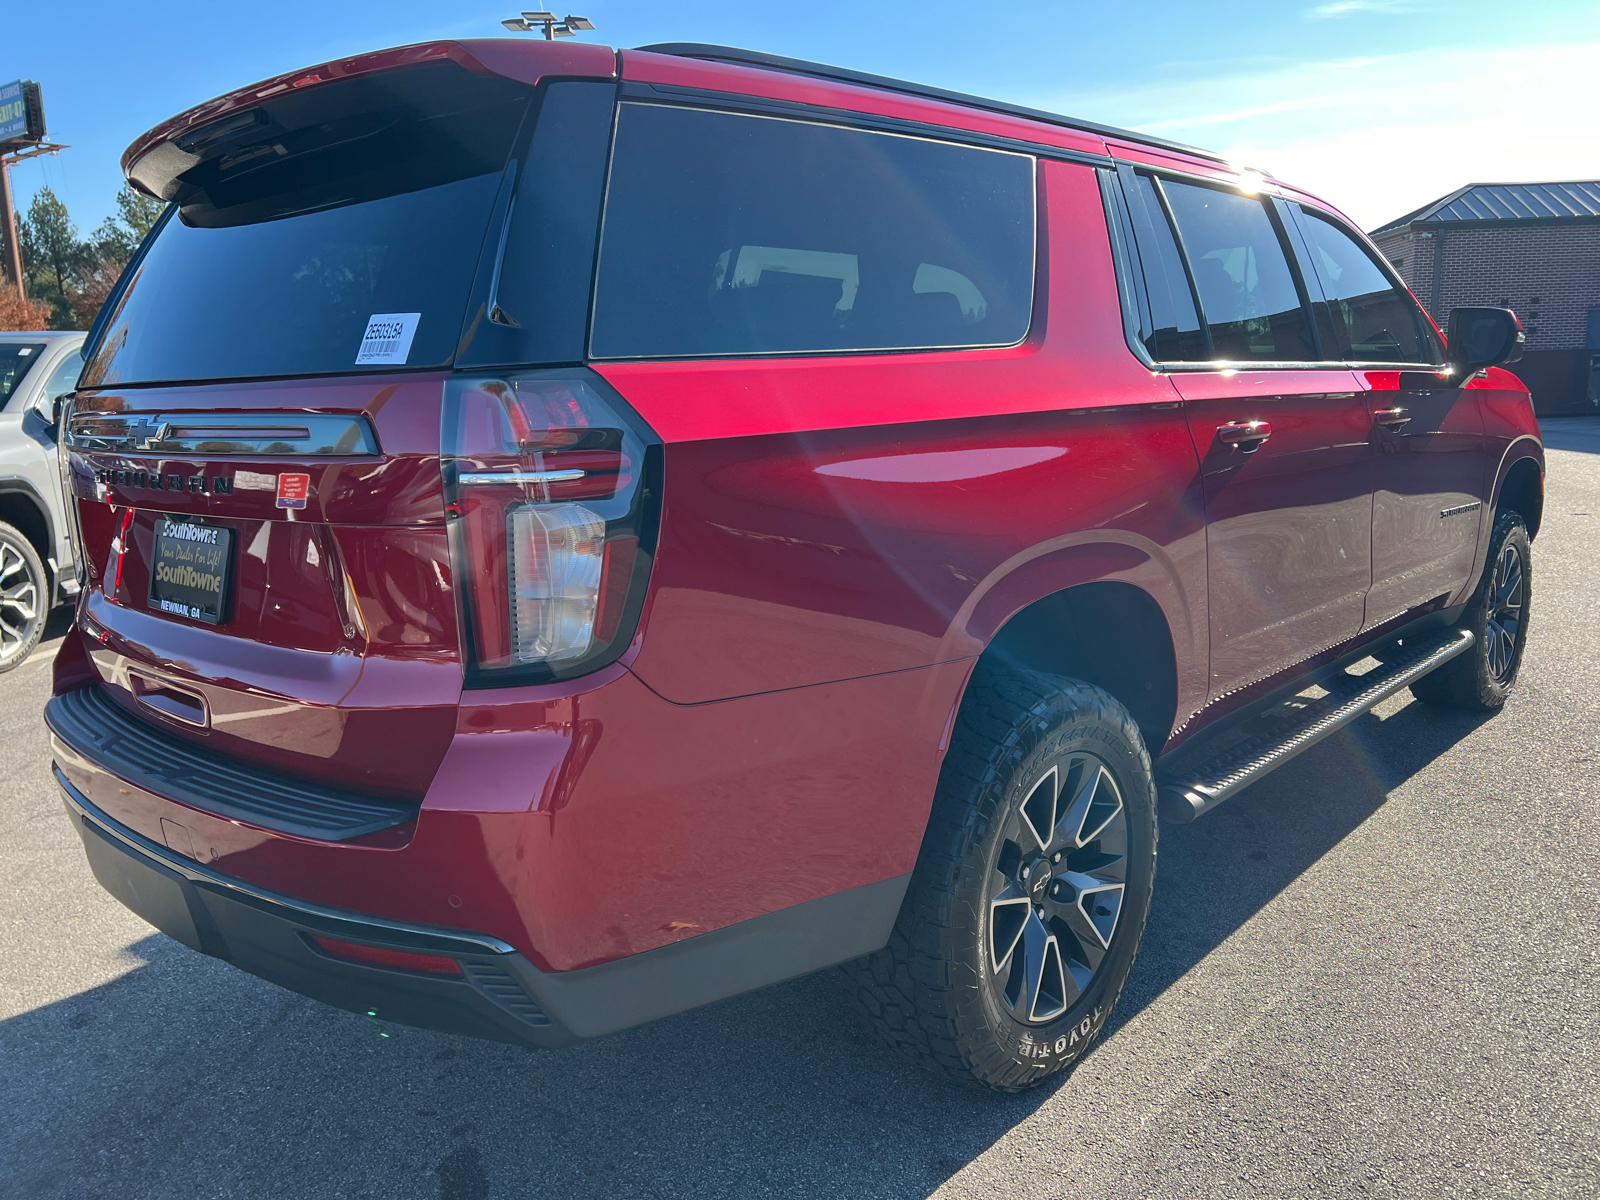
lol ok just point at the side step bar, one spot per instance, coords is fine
(1181, 800)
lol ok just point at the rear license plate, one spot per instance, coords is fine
(190, 574)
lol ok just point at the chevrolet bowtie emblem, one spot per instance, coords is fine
(144, 432)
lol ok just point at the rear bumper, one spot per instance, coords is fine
(500, 996)
(266, 934)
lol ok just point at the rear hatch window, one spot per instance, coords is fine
(329, 230)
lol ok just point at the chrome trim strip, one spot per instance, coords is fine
(215, 435)
(357, 924)
(522, 477)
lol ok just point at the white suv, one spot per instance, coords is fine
(36, 569)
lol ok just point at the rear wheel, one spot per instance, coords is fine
(1030, 895)
(24, 596)
(1481, 679)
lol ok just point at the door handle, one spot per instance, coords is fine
(1390, 418)
(1247, 435)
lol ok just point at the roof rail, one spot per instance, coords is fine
(799, 66)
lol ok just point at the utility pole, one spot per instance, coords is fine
(8, 223)
(9, 231)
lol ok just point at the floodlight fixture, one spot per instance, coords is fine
(548, 24)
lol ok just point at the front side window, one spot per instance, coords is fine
(1373, 321)
(16, 360)
(1252, 306)
(727, 234)
(63, 379)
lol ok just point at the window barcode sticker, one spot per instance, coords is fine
(388, 338)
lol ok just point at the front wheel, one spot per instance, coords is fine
(24, 597)
(1030, 895)
(1481, 679)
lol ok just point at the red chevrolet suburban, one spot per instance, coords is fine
(571, 535)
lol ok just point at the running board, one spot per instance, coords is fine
(1197, 792)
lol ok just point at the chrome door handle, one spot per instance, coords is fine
(1390, 418)
(1247, 435)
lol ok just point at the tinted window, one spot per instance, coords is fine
(1177, 336)
(64, 378)
(728, 234)
(1373, 321)
(1251, 304)
(546, 269)
(16, 360)
(362, 199)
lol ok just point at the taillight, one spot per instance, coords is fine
(548, 484)
(69, 497)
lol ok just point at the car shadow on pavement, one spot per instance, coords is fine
(186, 1077)
(1215, 874)
(1571, 433)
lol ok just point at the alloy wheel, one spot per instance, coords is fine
(1056, 889)
(19, 603)
(1505, 614)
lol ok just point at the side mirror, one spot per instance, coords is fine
(1483, 337)
(42, 420)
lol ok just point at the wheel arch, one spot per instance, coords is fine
(1108, 633)
(22, 506)
(1522, 488)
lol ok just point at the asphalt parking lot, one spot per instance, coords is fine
(1373, 974)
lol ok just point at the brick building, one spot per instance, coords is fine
(1532, 247)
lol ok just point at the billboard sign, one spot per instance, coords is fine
(21, 112)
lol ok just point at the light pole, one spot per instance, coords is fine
(548, 24)
(8, 222)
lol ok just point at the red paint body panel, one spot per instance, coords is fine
(340, 659)
(1289, 525)
(1438, 461)
(747, 806)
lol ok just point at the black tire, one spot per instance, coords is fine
(24, 597)
(1481, 679)
(1024, 743)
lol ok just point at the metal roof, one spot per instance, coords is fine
(1578, 200)
(800, 66)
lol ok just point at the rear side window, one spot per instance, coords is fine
(730, 234)
(1373, 321)
(329, 230)
(1252, 305)
(1176, 336)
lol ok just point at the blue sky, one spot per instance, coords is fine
(1377, 105)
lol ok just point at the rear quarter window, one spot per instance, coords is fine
(727, 234)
